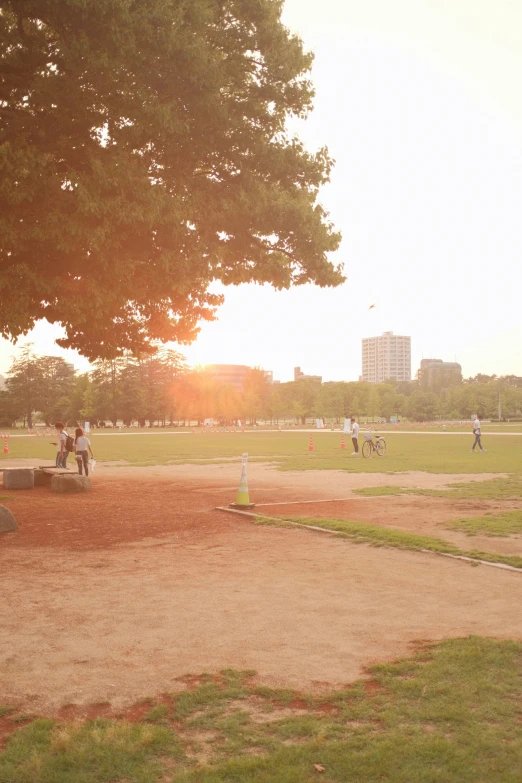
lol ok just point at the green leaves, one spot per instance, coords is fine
(39, 383)
(144, 154)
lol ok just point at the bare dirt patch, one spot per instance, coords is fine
(295, 484)
(115, 595)
(264, 476)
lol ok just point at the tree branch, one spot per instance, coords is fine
(20, 26)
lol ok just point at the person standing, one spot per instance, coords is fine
(64, 445)
(477, 433)
(355, 437)
(82, 446)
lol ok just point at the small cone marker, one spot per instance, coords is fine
(311, 444)
(343, 446)
(242, 497)
(6, 447)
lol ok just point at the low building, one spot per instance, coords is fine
(436, 374)
(233, 374)
(300, 376)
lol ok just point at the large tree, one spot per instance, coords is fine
(145, 153)
(42, 384)
(25, 383)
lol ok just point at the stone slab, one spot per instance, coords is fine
(52, 471)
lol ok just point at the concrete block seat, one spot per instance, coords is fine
(18, 478)
(42, 478)
(44, 474)
(70, 483)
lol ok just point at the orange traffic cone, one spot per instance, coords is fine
(343, 446)
(6, 447)
(311, 444)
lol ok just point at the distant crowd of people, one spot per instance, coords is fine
(80, 445)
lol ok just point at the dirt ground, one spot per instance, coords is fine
(282, 485)
(117, 595)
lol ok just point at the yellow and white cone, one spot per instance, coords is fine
(242, 497)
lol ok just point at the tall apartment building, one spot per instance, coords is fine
(387, 356)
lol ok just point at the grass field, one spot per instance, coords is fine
(290, 451)
(449, 714)
(465, 427)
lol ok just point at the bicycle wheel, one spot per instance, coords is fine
(367, 449)
(380, 447)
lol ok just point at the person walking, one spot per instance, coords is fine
(82, 446)
(477, 433)
(355, 437)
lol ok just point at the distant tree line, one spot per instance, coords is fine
(160, 390)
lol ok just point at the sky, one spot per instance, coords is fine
(419, 103)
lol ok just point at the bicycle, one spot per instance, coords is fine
(369, 446)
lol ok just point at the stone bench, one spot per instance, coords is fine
(18, 478)
(71, 483)
(44, 474)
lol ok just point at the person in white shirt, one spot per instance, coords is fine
(63, 451)
(476, 433)
(81, 444)
(355, 437)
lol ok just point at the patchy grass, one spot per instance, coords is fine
(450, 714)
(507, 523)
(6, 711)
(22, 717)
(371, 492)
(493, 489)
(157, 714)
(97, 751)
(364, 533)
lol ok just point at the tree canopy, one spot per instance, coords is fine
(161, 389)
(145, 153)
